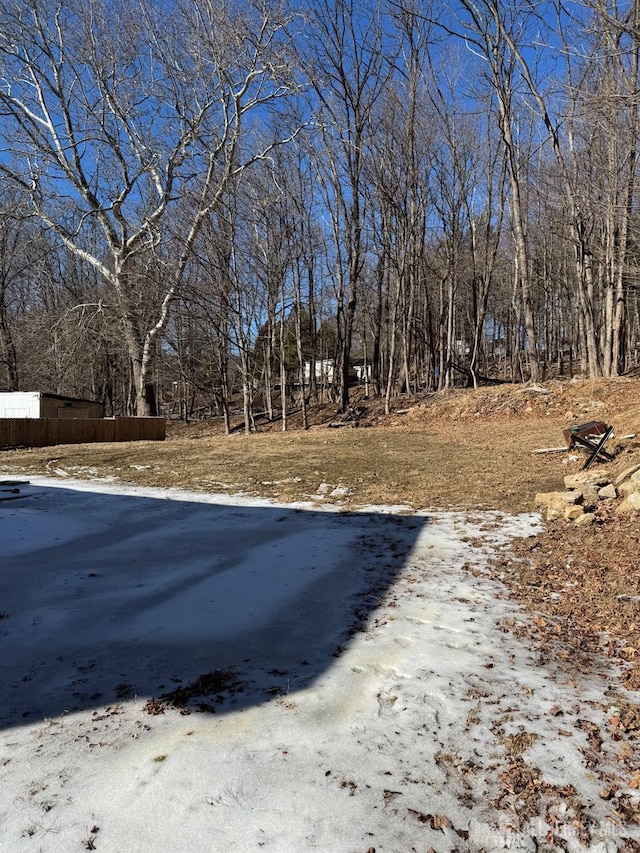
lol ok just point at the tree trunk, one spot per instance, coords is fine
(520, 238)
(8, 352)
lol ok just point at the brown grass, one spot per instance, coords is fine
(464, 449)
(442, 466)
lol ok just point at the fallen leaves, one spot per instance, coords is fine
(390, 795)
(154, 708)
(435, 821)
(519, 743)
(584, 587)
(214, 683)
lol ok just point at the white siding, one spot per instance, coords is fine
(324, 370)
(19, 404)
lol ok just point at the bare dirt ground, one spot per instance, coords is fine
(463, 449)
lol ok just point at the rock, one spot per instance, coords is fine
(607, 492)
(543, 499)
(590, 498)
(585, 479)
(630, 504)
(559, 499)
(573, 513)
(626, 474)
(628, 488)
(340, 492)
(585, 519)
(555, 510)
(556, 503)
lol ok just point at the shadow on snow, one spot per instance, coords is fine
(104, 597)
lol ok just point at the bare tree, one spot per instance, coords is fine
(610, 104)
(15, 261)
(137, 131)
(399, 175)
(349, 63)
(494, 28)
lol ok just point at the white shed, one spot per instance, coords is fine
(36, 404)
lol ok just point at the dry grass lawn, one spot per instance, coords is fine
(488, 466)
(464, 449)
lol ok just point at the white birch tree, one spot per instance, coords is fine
(136, 130)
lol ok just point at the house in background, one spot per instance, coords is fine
(35, 404)
(362, 370)
(324, 369)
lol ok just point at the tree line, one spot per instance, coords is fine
(225, 204)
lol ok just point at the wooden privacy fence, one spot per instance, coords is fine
(43, 432)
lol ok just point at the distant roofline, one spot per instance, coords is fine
(52, 396)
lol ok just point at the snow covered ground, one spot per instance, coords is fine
(182, 672)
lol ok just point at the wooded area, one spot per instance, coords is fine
(259, 204)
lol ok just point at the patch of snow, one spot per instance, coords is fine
(377, 684)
